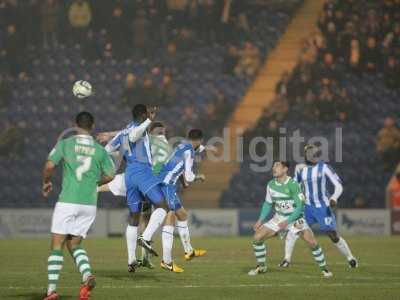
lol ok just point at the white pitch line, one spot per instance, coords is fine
(269, 285)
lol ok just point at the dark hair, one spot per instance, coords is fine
(85, 120)
(195, 134)
(138, 111)
(283, 162)
(155, 125)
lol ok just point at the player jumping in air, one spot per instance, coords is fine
(318, 209)
(161, 151)
(285, 195)
(86, 164)
(179, 163)
(141, 184)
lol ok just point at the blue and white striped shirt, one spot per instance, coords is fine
(314, 181)
(180, 162)
(133, 143)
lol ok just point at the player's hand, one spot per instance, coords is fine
(257, 225)
(46, 189)
(200, 177)
(283, 225)
(151, 113)
(332, 203)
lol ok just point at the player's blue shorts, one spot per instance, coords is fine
(322, 216)
(171, 196)
(141, 184)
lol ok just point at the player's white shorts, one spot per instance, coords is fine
(295, 227)
(117, 185)
(73, 219)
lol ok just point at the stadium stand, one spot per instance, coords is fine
(344, 75)
(43, 52)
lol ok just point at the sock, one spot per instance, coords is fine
(82, 262)
(344, 248)
(131, 241)
(290, 242)
(54, 266)
(260, 251)
(184, 234)
(144, 254)
(156, 219)
(319, 257)
(167, 242)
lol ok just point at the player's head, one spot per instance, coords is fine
(85, 120)
(157, 128)
(311, 153)
(139, 112)
(195, 136)
(280, 168)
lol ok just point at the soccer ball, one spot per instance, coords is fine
(82, 89)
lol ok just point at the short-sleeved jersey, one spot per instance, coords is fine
(284, 196)
(137, 154)
(160, 151)
(84, 162)
(175, 166)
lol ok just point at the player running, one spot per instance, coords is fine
(319, 204)
(141, 184)
(179, 163)
(285, 195)
(86, 164)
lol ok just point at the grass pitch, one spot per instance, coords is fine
(222, 274)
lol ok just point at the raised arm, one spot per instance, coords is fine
(135, 133)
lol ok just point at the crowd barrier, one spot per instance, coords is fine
(32, 223)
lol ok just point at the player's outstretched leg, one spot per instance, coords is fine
(167, 243)
(184, 234)
(290, 242)
(317, 252)
(81, 259)
(343, 248)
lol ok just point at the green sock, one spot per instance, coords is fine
(260, 252)
(54, 266)
(82, 262)
(319, 257)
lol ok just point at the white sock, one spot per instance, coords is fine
(344, 248)
(167, 242)
(131, 241)
(290, 242)
(184, 234)
(156, 219)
